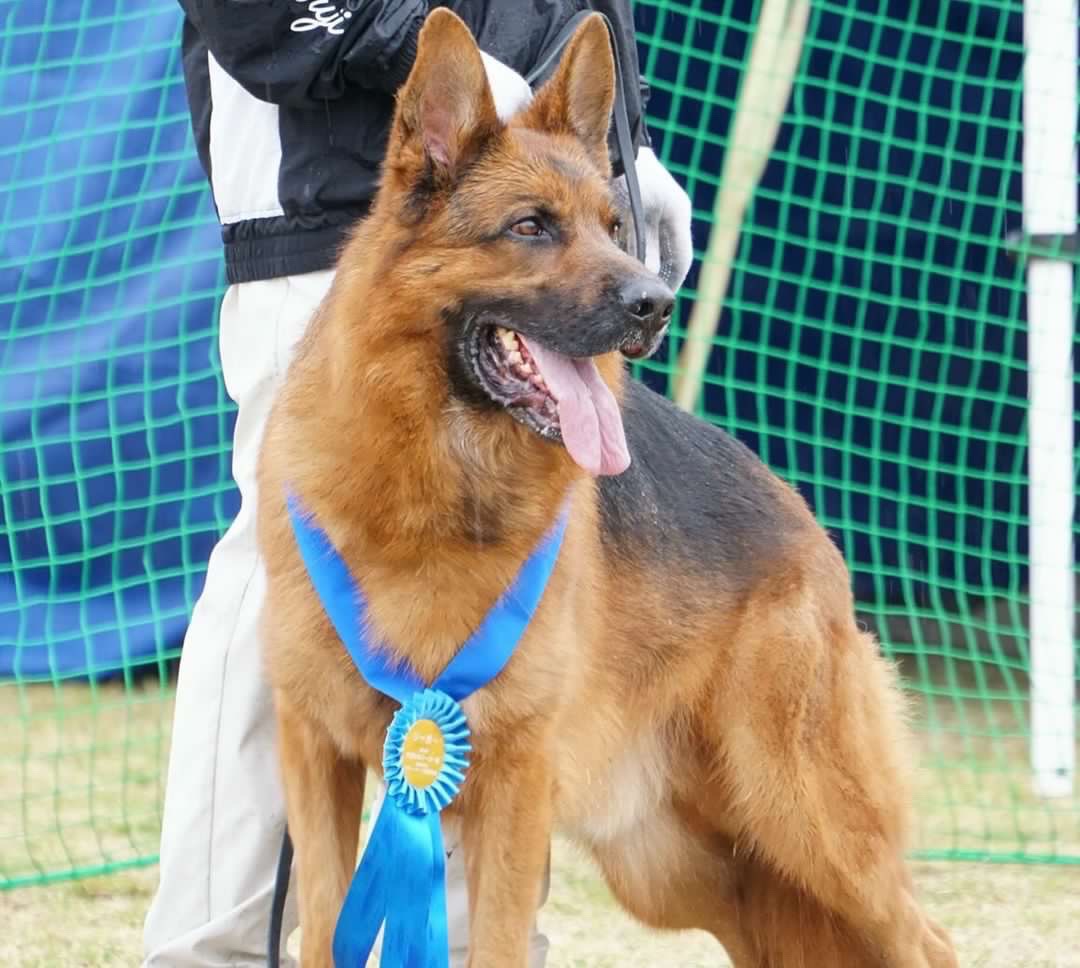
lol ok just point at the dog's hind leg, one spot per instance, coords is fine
(815, 754)
(783, 926)
(674, 878)
(671, 877)
(324, 794)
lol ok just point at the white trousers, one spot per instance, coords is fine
(224, 808)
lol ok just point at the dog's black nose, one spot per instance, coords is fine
(648, 303)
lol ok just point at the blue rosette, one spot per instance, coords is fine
(426, 753)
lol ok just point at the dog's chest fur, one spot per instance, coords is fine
(604, 800)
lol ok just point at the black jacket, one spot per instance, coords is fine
(291, 103)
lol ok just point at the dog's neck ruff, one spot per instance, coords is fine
(401, 878)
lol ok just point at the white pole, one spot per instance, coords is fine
(1050, 177)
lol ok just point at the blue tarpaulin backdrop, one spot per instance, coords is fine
(112, 419)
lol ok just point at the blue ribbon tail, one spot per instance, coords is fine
(438, 932)
(365, 905)
(418, 889)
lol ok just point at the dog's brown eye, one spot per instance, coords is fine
(529, 227)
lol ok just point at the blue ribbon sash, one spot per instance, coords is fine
(401, 880)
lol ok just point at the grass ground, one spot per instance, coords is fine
(1001, 916)
(81, 780)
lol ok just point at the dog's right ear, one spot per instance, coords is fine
(445, 111)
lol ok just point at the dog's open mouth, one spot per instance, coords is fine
(559, 397)
(509, 375)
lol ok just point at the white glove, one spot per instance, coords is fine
(509, 89)
(669, 245)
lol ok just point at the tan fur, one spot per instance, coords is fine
(745, 770)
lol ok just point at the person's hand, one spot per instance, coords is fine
(669, 245)
(509, 89)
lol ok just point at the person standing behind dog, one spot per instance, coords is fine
(291, 103)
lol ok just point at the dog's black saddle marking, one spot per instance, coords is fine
(694, 498)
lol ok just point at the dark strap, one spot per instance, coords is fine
(624, 140)
(277, 906)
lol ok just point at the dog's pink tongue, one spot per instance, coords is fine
(589, 416)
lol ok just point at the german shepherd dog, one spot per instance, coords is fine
(692, 701)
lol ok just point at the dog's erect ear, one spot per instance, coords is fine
(578, 98)
(445, 108)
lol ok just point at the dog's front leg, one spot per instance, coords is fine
(324, 796)
(506, 833)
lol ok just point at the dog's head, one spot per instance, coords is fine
(511, 230)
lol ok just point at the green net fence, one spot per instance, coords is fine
(872, 347)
